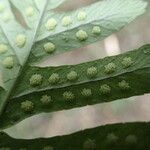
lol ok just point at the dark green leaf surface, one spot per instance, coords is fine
(127, 136)
(137, 77)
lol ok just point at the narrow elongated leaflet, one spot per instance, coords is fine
(127, 136)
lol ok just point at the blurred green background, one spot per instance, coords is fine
(68, 121)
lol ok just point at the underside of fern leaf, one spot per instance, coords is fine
(127, 136)
(66, 87)
(26, 89)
